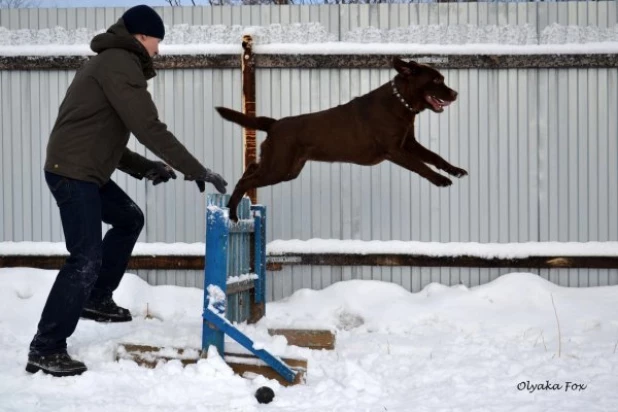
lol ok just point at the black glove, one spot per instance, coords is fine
(160, 172)
(211, 177)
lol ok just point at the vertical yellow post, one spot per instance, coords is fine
(248, 107)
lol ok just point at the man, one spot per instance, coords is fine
(107, 100)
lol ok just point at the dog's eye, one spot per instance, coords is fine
(438, 80)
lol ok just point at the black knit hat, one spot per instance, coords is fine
(143, 19)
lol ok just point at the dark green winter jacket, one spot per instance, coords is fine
(108, 100)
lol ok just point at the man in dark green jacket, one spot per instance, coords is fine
(106, 102)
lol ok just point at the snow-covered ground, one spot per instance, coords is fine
(486, 348)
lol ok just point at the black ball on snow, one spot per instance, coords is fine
(264, 394)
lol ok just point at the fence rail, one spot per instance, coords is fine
(338, 61)
(277, 262)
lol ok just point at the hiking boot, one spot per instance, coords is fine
(57, 364)
(105, 310)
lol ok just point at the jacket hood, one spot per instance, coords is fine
(118, 37)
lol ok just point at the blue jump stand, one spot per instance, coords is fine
(229, 248)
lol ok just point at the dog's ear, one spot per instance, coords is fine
(410, 68)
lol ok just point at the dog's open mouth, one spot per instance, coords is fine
(437, 104)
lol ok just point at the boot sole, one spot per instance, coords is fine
(32, 368)
(103, 318)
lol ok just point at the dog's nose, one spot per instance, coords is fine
(454, 94)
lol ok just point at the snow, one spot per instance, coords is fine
(494, 347)
(216, 300)
(313, 38)
(141, 249)
(241, 278)
(349, 246)
(333, 48)
(482, 250)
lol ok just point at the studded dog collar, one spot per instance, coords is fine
(401, 99)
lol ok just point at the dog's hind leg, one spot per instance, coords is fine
(433, 158)
(250, 169)
(414, 165)
(278, 163)
(236, 194)
(297, 167)
(257, 179)
(260, 177)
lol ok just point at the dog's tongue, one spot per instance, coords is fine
(437, 104)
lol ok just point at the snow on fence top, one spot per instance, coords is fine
(336, 246)
(313, 38)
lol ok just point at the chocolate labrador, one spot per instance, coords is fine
(367, 130)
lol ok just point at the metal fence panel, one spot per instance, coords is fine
(540, 144)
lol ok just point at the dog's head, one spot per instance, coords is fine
(423, 86)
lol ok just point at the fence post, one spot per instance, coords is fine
(215, 275)
(258, 304)
(248, 106)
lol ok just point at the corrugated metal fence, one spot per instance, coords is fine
(540, 144)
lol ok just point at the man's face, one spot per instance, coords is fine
(151, 44)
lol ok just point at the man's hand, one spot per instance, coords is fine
(211, 177)
(160, 172)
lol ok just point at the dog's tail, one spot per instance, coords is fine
(258, 123)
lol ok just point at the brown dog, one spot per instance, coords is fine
(369, 129)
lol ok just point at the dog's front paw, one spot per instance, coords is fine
(456, 171)
(441, 181)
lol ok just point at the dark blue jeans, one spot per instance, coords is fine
(95, 266)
